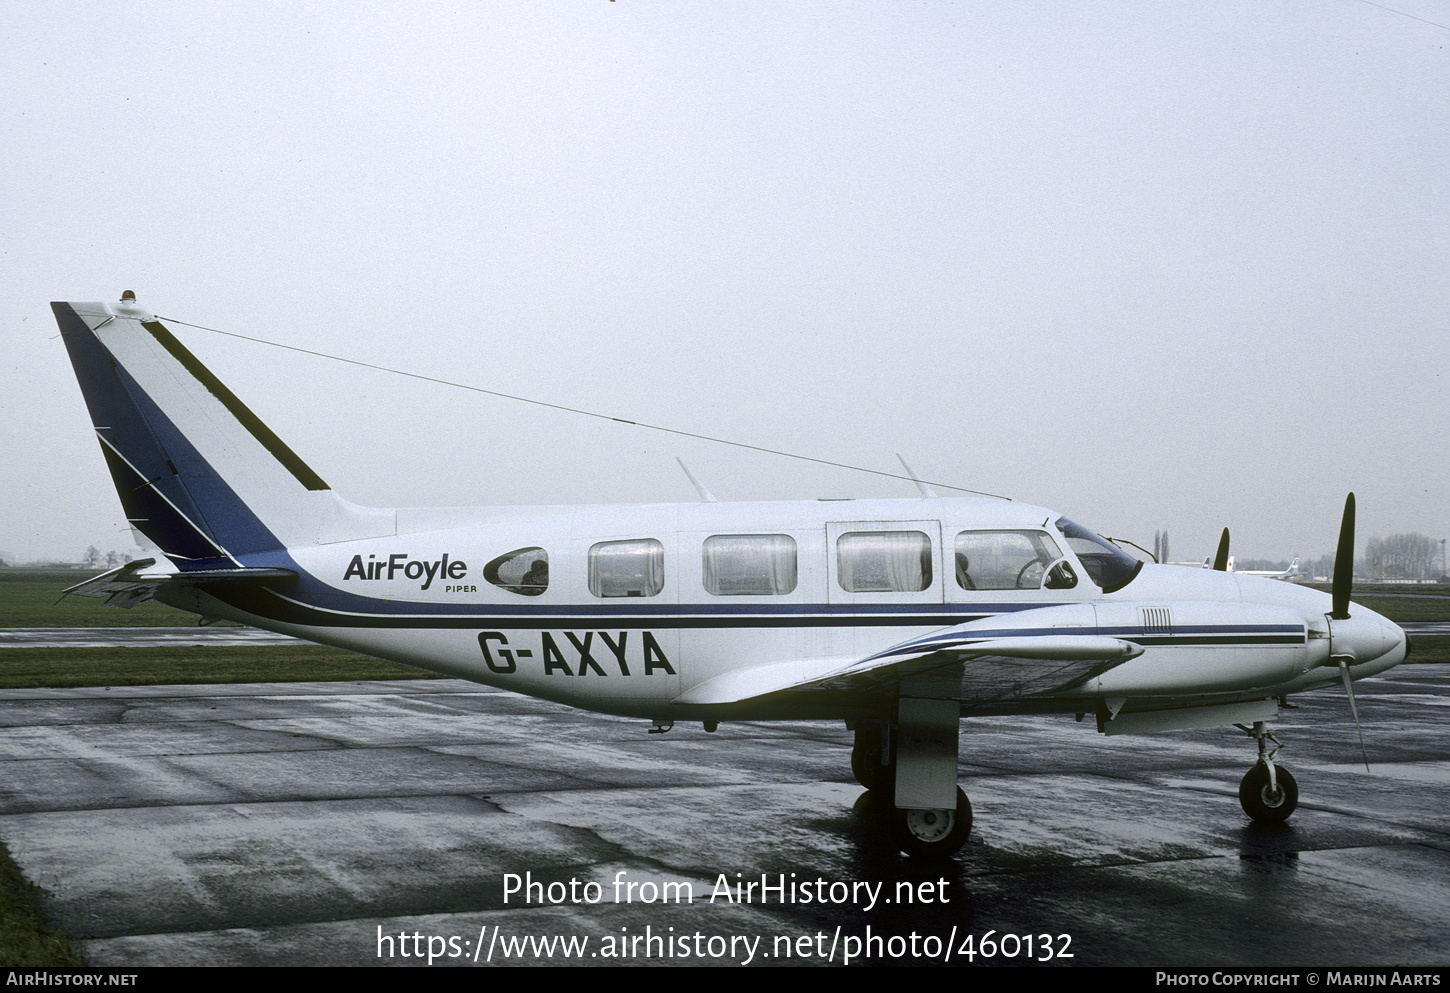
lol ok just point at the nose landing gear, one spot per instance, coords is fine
(1267, 792)
(1268, 798)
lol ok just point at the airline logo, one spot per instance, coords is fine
(400, 564)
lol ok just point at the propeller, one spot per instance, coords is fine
(1344, 563)
(1339, 611)
(1220, 561)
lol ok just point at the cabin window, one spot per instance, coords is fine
(627, 568)
(749, 564)
(1009, 560)
(883, 561)
(524, 571)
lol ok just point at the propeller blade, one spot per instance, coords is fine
(1344, 563)
(1220, 561)
(1349, 689)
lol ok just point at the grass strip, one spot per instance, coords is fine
(28, 598)
(33, 598)
(1429, 649)
(29, 668)
(26, 937)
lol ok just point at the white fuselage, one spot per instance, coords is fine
(421, 595)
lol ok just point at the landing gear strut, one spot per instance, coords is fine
(912, 760)
(1267, 792)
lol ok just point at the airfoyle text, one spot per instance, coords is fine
(570, 653)
(409, 568)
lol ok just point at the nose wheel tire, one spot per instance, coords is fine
(1264, 803)
(934, 833)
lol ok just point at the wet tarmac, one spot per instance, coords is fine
(379, 823)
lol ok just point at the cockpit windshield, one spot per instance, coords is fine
(1107, 565)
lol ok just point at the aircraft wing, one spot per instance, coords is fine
(137, 582)
(976, 663)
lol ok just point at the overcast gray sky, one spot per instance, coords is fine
(1153, 265)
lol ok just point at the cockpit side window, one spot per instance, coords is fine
(627, 568)
(1009, 560)
(1107, 565)
(524, 571)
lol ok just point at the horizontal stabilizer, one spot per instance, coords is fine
(132, 583)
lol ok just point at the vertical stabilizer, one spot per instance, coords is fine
(198, 473)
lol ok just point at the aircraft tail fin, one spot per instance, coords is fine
(197, 472)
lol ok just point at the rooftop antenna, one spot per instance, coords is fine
(921, 487)
(705, 495)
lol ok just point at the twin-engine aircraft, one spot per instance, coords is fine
(899, 617)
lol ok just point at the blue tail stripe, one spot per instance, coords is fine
(156, 517)
(226, 516)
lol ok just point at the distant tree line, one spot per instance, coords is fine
(1400, 556)
(1403, 556)
(93, 558)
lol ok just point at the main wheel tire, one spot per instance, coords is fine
(934, 833)
(866, 763)
(1266, 804)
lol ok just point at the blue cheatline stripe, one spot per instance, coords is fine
(278, 605)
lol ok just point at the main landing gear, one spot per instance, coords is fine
(873, 759)
(933, 833)
(1267, 792)
(912, 763)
